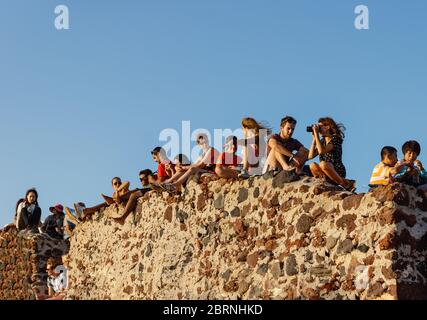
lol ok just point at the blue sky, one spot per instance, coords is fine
(81, 106)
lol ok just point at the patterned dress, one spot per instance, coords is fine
(335, 156)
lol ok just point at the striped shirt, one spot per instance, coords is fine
(381, 174)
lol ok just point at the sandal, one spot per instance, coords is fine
(351, 187)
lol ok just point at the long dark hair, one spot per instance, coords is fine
(33, 190)
(336, 129)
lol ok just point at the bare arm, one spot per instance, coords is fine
(273, 144)
(321, 148)
(124, 186)
(313, 150)
(201, 163)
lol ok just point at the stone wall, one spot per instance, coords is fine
(262, 238)
(23, 259)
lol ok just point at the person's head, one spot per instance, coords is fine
(181, 159)
(287, 127)
(158, 154)
(116, 182)
(202, 140)
(31, 196)
(389, 156)
(144, 176)
(232, 141)
(411, 150)
(57, 209)
(328, 127)
(251, 125)
(52, 263)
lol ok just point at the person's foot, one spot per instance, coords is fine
(108, 200)
(350, 185)
(244, 174)
(120, 220)
(71, 216)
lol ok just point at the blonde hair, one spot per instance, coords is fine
(251, 123)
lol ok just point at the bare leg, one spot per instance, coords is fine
(317, 171)
(277, 160)
(330, 172)
(281, 159)
(224, 172)
(92, 210)
(178, 183)
(130, 206)
(175, 177)
(108, 199)
(272, 161)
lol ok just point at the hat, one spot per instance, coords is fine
(57, 208)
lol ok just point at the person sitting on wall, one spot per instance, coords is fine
(383, 173)
(254, 147)
(411, 170)
(121, 194)
(181, 166)
(28, 212)
(165, 168)
(329, 150)
(285, 152)
(145, 178)
(57, 280)
(206, 163)
(54, 223)
(229, 165)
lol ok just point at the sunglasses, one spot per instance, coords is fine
(143, 178)
(117, 183)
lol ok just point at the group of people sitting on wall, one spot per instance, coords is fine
(409, 170)
(262, 151)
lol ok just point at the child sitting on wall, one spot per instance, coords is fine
(411, 170)
(385, 170)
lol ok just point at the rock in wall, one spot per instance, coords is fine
(262, 238)
(23, 259)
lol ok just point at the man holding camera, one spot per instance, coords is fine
(285, 152)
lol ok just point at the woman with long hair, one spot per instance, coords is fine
(254, 145)
(328, 137)
(28, 212)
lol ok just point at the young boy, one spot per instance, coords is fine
(411, 170)
(384, 171)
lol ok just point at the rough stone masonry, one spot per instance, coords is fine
(262, 238)
(23, 260)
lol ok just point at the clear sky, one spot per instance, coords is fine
(78, 107)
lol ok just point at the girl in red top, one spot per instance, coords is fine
(228, 162)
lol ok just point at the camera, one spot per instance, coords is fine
(310, 129)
